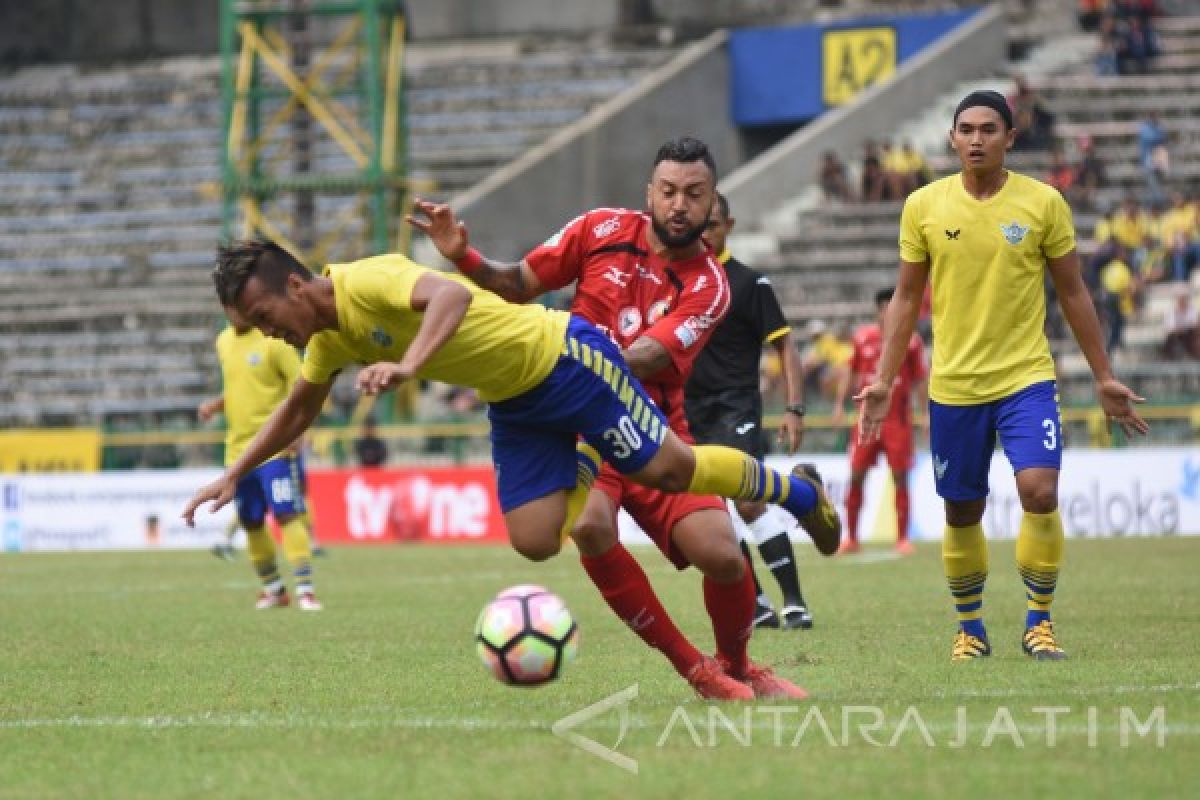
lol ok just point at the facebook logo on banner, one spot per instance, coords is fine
(10, 496)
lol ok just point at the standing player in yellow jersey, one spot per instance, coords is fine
(548, 376)
(257, 373)
(985, 238)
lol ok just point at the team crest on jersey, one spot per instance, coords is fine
(606, 228)
(629, 321)
(658, 310)
(1014, 232)
(254, 359)
(381, 337)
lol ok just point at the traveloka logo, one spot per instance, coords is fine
(1190, 486)
(1014, 232)
(381, 337)
(939, 466)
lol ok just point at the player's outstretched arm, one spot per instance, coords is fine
(1115, 398)
(443, 304)
(898, 326)
(516, 283)
(282, 428)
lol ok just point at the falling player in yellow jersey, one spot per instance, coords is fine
(548, 377)
(257, 373)
(985, 238)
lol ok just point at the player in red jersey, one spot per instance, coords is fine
(648, 280)
(896, 441)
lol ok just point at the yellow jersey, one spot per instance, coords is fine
(987, 262)
(257, 373)
(1117, 280)
(500, 349)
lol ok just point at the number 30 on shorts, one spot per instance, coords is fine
(1051, 440)
(624, 439)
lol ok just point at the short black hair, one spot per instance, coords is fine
(987, 98)
(686, 150)
(723, 204)
(238, 261)
(884, 296)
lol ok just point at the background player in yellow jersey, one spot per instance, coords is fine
(547, 376)
(985, 238)
(257, 373)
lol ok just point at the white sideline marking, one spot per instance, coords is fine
(216, 719)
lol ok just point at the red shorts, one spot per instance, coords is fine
(656, 512)
(895, 441)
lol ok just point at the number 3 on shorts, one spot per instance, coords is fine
(624, 438)
(1051, 440)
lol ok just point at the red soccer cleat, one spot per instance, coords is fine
(272, 599)
(905, 548)
(849, 547)
(710, 682)
(765, 683)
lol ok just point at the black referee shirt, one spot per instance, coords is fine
(731, 358)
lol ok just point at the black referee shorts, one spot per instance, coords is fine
(732, 418)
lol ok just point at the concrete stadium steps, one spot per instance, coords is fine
(109, 208)
(829, 260)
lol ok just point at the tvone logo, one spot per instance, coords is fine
(416, 508)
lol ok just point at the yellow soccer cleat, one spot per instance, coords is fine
(1039, 642)
(967, 647)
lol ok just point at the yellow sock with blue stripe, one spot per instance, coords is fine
(965, 560)
(1039, 553)
(297, 546)
(587, 467)
(729, 472)
(261, 548)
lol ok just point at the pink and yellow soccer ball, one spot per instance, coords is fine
(525, 636)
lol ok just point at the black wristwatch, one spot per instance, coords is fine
(798, 409)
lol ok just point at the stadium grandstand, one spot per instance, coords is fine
(139, 137)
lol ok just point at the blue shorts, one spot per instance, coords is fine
(589, 393)
(274, 485)
(962, 438)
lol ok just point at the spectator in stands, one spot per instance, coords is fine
(1130, 228)
(1033, 122)
(369, 449)
(1179, 230)
(916, 166)
(1091, 13)
(833, 179)
(826, 357)
(1060, 175)
(1137, 46)
(1120, 295)
(1183, 328)
(874, 181)
(1109, 51)
(1154, 157)
(1090, 174)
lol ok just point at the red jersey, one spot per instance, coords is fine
(627, 291)
(868, 346)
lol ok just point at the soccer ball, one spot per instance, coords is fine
(525, 636)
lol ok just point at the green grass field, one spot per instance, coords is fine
(150, 675)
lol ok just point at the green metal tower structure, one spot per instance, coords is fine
(314, 124)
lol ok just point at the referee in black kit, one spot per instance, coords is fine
(724, 406)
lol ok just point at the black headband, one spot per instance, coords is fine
(988, 99)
